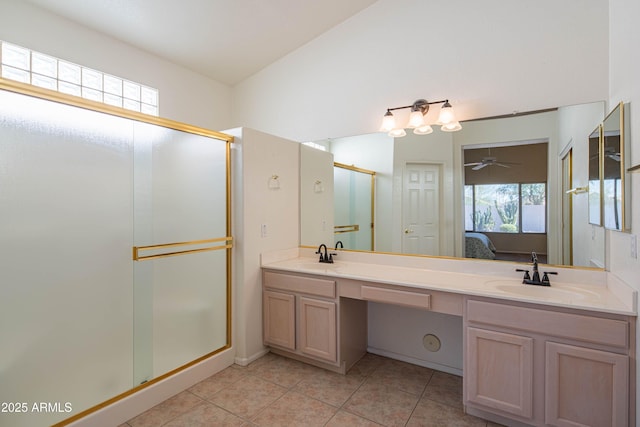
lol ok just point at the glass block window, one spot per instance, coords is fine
(35, 68)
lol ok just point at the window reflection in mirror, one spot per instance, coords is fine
(510, 202)
(506, 208)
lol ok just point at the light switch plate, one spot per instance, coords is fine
(634, 246)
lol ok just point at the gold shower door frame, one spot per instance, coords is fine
(354, 228)
(218, 243)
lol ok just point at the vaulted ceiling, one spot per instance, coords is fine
(226, 40)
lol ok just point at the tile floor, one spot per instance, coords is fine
(276, 391)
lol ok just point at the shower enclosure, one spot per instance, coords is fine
(114, 251)
(354, 193)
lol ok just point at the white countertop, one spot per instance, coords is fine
(571, 288)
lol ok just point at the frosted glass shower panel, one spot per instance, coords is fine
(180, 186)
(81, 322)
(189, 308)
(66, 306)
(353, 208)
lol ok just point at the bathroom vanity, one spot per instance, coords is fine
(544, 366)
(533, 356)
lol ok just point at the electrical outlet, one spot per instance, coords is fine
(263, 231)
(634, 246)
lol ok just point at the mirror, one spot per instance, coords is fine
(354, 206)
(505, 201)
(595, 190)
(442, 155)
(615, 188)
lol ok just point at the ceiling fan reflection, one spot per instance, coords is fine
(609, 153)
(489, 161)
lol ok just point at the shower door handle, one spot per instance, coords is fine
(196, 246)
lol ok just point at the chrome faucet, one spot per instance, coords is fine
(326, 257)
(535, 280)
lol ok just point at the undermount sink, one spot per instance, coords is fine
(316, 265)
(565, 293)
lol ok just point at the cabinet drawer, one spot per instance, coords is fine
(393, 296)
(589, 329)
(308, 285)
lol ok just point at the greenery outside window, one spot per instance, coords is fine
(506, 208)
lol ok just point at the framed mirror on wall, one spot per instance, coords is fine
(616, 194)
(566, 126)
(595, 175)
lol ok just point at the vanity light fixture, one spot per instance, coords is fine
(419, 108)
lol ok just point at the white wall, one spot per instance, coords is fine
(316, 200)
(257, 156)
(489, 58)
(624, 85)
(185, 96)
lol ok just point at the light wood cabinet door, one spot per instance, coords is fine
(279, 319)
(318, 337)
(585, 387)
(499, 371)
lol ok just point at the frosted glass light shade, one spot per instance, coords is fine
(451, 127)
(388, 122)
(397, 133)
(446, 114)
(416, 119)
(423, 130)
